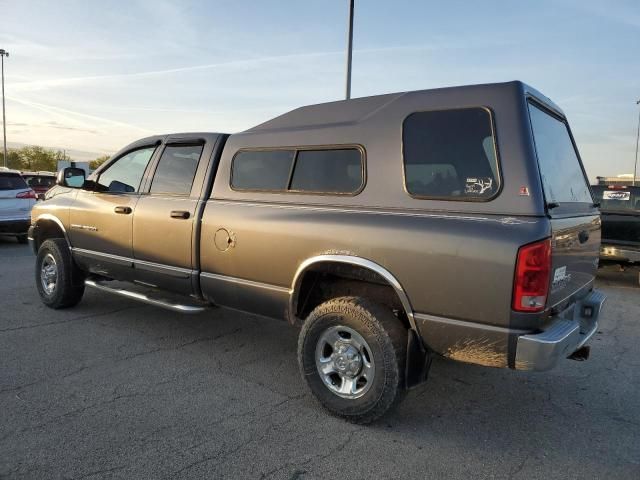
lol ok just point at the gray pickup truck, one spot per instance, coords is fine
(454, 222)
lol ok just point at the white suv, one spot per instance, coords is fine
(16, 200)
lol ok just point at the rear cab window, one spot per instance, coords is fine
(450, 155)
(564, 182)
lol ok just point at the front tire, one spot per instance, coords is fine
(351, 353)
(59, 281)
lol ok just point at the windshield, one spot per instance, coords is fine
(617, 199)
(562, 177)
(40, 181)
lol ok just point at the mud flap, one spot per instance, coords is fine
(418, 361)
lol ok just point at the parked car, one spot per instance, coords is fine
(620, 210)
(40, 182)
(454, 222)
(16, 200)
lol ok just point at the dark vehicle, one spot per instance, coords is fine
(40, 182)
(16, 200)
(620, 212)
(454, 222)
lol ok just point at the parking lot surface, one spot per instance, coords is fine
(116, 389)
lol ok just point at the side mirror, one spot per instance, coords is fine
(70, 177)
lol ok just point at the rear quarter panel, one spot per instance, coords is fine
(455, 266)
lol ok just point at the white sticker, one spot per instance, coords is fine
(616, 195)
(559, 274)
(478, 185)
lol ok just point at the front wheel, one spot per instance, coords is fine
(351, 352)
(58, 280)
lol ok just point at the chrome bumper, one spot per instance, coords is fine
(573, 328)
(32, 243)
(615, 253)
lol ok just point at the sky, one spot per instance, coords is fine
(91, 76)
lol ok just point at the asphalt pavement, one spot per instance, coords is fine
(116, 389)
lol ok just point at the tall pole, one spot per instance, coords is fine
(635, 166)
(349, 50)
(4, 118)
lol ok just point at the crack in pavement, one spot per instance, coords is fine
(223, 456)
(75, 319)
(179, 346)
(314, 458)
(100, 472)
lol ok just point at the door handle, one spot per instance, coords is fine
(124, 210)
(583, 236)
(183, 214)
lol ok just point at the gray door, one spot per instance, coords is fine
(101, 221)
(163, 221)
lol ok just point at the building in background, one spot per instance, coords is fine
(624, 179)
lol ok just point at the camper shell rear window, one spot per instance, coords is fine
(563, 178)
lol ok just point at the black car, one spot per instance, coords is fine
(620, 209)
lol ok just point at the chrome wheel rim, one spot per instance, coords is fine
(345, 362)
(49, 274)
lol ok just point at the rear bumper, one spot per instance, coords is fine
(14, 227)
(571, 330)
(31, 237)
(620, 254)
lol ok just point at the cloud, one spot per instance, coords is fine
(617, 13)
(253, 62)
(70, 114)
(247, 63)
(61, 126)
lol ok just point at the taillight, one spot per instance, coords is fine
(27, 194)
(531, 283)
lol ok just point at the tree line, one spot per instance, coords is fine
(33, 158)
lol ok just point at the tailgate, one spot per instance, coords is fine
(620, 210)
(621, 228)
(13, 208)
(575, 251)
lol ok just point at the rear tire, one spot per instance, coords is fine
(59, 281)
(352, 353)
(22, 239)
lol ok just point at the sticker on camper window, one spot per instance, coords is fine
(478, 185)
(616, 195)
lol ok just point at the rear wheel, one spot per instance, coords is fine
(59, 281)
(351, 352)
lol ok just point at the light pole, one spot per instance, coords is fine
(635, 165)
(4, 53)
(349, 50)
